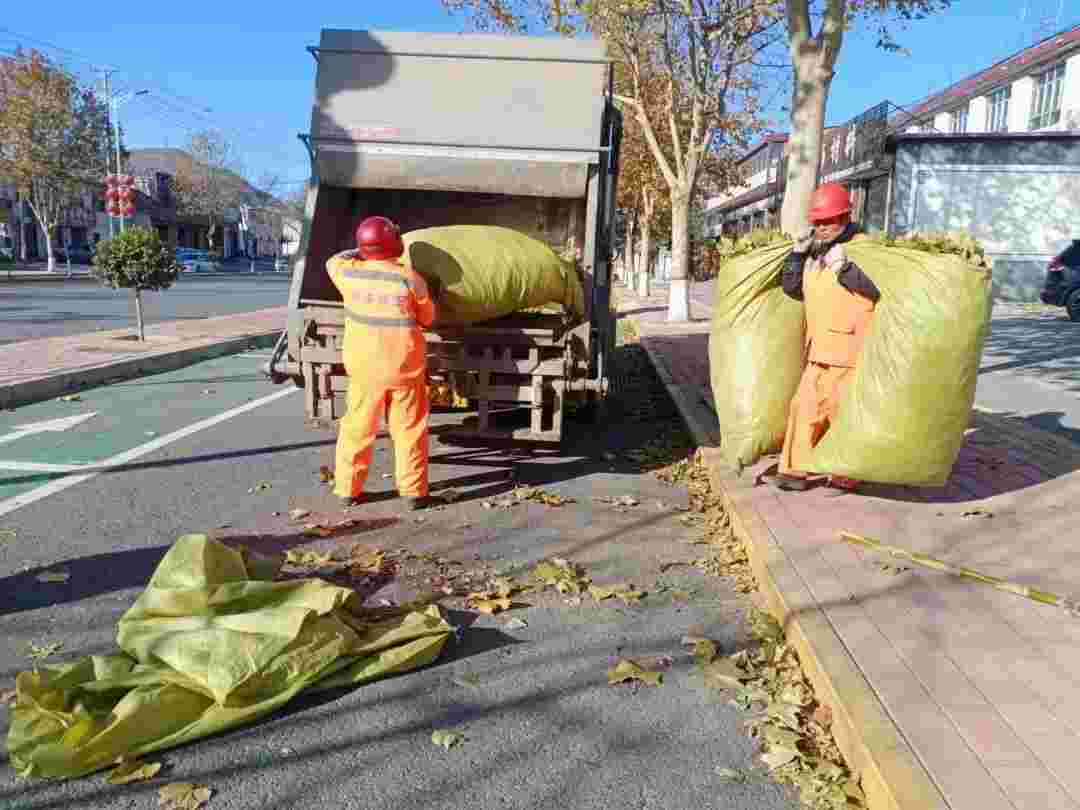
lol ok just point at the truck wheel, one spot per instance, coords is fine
(1072, 305)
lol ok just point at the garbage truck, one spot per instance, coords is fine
(444, 129)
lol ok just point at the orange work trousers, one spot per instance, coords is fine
(406, 412)
(812, 410)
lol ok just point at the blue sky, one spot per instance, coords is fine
(242, 67)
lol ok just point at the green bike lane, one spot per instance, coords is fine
(43, 443)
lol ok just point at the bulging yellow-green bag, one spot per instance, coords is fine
(755, 348)
(488, 272)
(903, 418)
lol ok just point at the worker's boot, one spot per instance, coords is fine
(416, 504)
(839, 485)
(790, 483)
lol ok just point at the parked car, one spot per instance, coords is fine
(1062, 287)
(197, 261)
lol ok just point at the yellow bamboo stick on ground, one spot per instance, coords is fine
(1070, 606)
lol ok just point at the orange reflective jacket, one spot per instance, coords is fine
(386, 307)
(837, 319)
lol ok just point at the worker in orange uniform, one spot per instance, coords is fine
(840, 300)
(386, 307)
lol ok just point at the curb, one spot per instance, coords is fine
(891, 775)
(53, 385)
(696, 414)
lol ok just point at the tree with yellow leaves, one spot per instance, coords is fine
(54, 138)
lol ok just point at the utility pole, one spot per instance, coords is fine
(108, 95)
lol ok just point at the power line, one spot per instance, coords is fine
(172, 104)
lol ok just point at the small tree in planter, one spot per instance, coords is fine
(136, 259)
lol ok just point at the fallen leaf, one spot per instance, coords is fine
(447, 739)
(778, 757)
(306, 559)
(732, 775)
(467, 679)
(133, 771)
(365, 562)
(976, 513)
(53, 576)
(723, 673)
(326, 475)
(486, 603)
(317, 530)
(565, 576)
(626, 593)
(822, 715)
(298, 514)
(516, 624)
(538, 495)
(7, 696)
(627, 670)
(183, 796)
(7, 535)
(624, 501)
(666, 566)
(71, 398)
(262, 486)
(704, 649)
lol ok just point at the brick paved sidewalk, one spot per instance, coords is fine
(944, 693)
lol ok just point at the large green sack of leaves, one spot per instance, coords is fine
(902, 420)
(755, 347)
(488, 272)
(212, 643)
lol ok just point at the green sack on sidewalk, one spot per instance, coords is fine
(488, 272)
(755, 348)
(902, 420)
(212, 643)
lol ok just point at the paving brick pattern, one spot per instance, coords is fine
(34, 359)
(983, 686)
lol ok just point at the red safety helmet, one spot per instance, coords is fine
(829, 201)
(379, 238)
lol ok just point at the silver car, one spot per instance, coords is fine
(197, 261)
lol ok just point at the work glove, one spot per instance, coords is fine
(804, 240)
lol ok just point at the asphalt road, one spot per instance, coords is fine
(543, 728)
(29, 310)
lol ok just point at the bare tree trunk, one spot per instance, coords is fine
(645, 262)
(139, 315)
(629, 255)
(49, 251)
(679, 291)
(804, 155)
(813, 58)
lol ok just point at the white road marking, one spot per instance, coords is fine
(48, 426)
(33, 466)
(53, 487)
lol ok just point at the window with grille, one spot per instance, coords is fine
(958, 120)
(997, 110)
(1046, 106)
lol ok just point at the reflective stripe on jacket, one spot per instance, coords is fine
(387, 305)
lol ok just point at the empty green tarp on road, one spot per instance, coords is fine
(212, 643)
